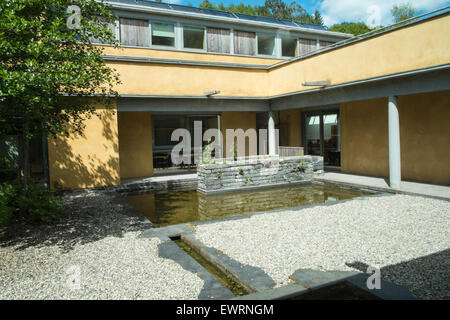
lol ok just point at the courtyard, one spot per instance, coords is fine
(117, 253)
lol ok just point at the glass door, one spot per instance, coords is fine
(322, 136)
(313, 135)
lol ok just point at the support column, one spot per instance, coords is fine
(271, 132)
(394, 143)
(220, 142)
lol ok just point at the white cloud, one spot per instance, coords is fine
(335, 11)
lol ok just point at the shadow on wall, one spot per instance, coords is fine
(86, 160)
(88, 216)
(426, 277)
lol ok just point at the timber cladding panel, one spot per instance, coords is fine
(134, 32)
(218, 40)
(244, 42)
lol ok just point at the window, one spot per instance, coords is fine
(288, 47)
(134, 32)
(266, 44)
(218, 40)
(307, 46)
(193, 38)
(163, 34)
(244, 43)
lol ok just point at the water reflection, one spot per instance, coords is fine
(188, 206)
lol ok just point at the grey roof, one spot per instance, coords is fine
(219, 13)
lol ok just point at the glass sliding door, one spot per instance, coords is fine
(331, 140)
(322, 136)
(163, 126)
(313, 136)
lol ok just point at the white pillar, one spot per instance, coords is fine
(271, 132)
(394, 143)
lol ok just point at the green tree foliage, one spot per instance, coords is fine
(351, 27)
(50, 73)
(272, 8)
(402, 12)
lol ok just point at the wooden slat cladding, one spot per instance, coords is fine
(134, 32)
(244, 43)
(218, 40)
(323, 44)
(307, 46)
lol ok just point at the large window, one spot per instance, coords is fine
(134, 32)
(218, 40)
(307, 46)
(266, 44)
(244, 43)
(288, 47)
(193, 38)
(163, 34)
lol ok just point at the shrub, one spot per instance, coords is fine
(40, 204)
(8, 194)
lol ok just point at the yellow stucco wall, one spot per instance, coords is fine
(135, 144)
(417, 46)
(195, 56)
(169, 79)
(87, 160)
(413, 47)
(236, 120)
(424, 137)
(364, 137)
(290, 122)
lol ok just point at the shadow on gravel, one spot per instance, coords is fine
(88, 216)
(427, 277)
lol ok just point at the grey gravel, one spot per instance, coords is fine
(97, 237)
(408, 237)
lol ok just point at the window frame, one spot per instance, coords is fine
(205, 42)
(157, 46)
(275, 49)
(297, 43)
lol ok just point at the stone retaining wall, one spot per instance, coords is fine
(256, 172)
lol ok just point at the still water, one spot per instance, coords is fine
(189, 206)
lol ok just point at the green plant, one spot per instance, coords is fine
(7, 195)
(40, 204)
(241, 171)
(48, 54)
(301, 166)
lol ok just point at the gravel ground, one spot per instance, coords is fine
(97, 239)
(407, 237)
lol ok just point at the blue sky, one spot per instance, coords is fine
(372, 12)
